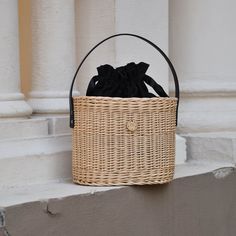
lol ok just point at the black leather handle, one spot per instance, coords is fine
(116, 35)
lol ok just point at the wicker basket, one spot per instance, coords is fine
(123, 141)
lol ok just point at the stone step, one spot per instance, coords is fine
(23, 128)
(35, 160)
(69, 209)
(14, 195)
(43, 159)
(180, 150)
(58, 124)
(212, 146)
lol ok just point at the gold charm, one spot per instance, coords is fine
(131, 125)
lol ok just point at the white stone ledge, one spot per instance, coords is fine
(212, 146)
(180, 150)
(207, 121)
(23, 128)
(195, 167)
(17, 108)
(52, 94)
(35, 160)
(38, 150)
(11, 96)
(35, 169)
(43, 192)
(49, 105)
(35, 146)
(207, 85)
(42, 159)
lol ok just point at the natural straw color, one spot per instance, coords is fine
(123, 141)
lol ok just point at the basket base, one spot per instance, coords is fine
(122, 183)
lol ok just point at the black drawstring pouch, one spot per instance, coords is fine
(125, 81)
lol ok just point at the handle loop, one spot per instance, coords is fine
(116, 35)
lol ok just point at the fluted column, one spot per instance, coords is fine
(12, 102)
(203, 36)
(53, 54)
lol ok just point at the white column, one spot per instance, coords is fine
(203, 36)
(95, 20)
(53, 55)
(148, 19)
(12, 102)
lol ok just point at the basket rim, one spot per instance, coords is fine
(124, 99)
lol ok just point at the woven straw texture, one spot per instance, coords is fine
(123, 141)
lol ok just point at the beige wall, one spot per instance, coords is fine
(25, 45)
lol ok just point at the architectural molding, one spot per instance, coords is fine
(12, 102)
(53, 54)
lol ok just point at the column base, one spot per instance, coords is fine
(14, 109)
(50, 102)
(49, 105)
(207, 106)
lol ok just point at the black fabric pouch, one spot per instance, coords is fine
(125, 81)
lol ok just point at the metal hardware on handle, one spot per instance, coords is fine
(116, 35)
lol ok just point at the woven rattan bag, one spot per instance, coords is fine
(123, 141)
